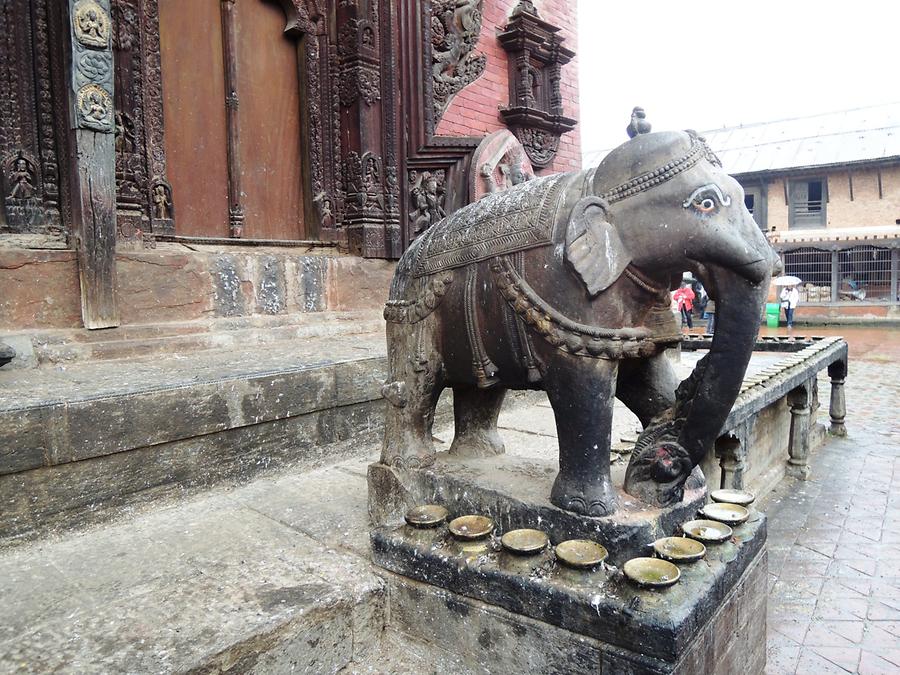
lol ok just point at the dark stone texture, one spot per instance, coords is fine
(71, 495)
(661, 625)
(271, 294)
(134, 414)
(229, 293)
(7, 354)
(313, 283)
(514, 493)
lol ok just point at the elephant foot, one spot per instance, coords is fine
(410, 453)
(657, 474)
(487, 443)
(585, 497)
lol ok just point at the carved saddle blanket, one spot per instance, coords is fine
(514, 220)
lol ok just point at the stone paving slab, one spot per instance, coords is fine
(210, 581)
(834, 540)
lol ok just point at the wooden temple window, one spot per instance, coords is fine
(536, 57)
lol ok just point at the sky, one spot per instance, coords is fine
(697, 64)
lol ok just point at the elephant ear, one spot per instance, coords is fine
(593, 246)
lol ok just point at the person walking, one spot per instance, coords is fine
(685, 298)
(790, 297)
(711, 316)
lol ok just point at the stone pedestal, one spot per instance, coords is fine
(475, 596)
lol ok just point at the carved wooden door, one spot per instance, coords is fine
(232, 98)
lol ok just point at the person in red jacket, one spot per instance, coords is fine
(684, 296)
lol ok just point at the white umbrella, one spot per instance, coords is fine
(787, 280)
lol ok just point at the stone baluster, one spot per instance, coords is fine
(798, 442)
(732, 462)
(837, 371)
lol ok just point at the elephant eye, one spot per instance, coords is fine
(706, 205)
(707, 199)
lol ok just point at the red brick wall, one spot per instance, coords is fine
(474, 110)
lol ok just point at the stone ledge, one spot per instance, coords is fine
(486, 638)
(600, 605)
(54, 417)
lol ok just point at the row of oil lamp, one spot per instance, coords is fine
(729, 507)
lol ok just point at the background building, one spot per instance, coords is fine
(826, 189)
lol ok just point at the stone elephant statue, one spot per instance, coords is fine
(562, 284)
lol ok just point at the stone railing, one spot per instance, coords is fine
(772, 426)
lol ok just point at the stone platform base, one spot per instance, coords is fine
(514, 491)
(488, 639)
(712, 620)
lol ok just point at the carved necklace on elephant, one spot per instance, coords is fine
(571, 336)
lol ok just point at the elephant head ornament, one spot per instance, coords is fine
(562, 284)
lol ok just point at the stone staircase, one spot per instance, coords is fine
(269, 576)
(90, 432)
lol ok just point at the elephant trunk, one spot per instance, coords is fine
(739, 306)
(673, 444)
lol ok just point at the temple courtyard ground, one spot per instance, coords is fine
(278, 571)
(834, 540)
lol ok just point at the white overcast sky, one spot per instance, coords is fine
(698, 64)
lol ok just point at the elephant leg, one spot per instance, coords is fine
(647, 386)
(412, 392)
(581, 393)
(475, 413)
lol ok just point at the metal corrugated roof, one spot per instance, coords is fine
(863, 134)
(859, 135)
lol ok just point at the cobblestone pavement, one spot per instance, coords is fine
(834, 540)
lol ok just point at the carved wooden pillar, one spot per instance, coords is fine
(233, 148)
(837, 371)
(143, 193)
(33, 124)
(800, 401)
(93, 159)
(366, 208)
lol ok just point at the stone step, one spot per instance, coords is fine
(268, 578)
(79, 442)
(68, 346)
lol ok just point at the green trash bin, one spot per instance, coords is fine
(773, 314)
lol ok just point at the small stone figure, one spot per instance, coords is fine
(427, 195)
(91, 24)
(326, 214)
(22, 179)
(161, 202)
(638, 124)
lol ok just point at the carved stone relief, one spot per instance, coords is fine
(92, 74)
(455, 27)
(426, 196)
(539, 144)
(91, 24)
(499, 163)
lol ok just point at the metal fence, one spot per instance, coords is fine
(859, 274)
